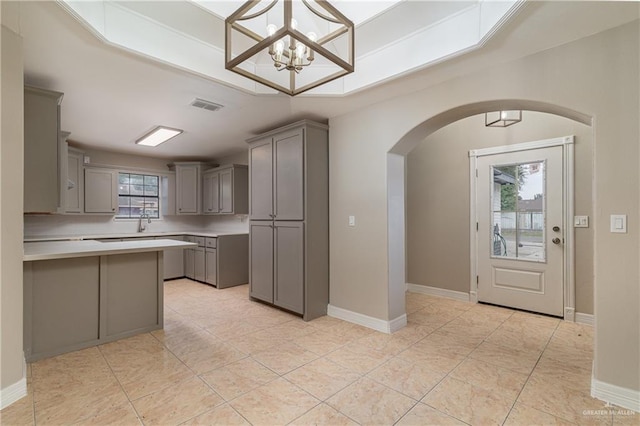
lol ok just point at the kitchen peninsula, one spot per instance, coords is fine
(79, 294)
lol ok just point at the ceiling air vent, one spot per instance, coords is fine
(209, 106)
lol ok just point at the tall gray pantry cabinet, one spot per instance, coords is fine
(289, 218)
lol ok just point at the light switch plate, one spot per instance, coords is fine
(581, 221)
(619, 223)
(352, 221)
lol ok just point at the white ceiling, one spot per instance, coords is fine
(114, 96)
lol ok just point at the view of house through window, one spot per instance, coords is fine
(138, 194)
(518, 211)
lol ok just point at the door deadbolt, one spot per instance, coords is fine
(556, 229)
(556, 240)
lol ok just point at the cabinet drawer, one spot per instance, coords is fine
(199, 241)
(190, 238)
(211, 242)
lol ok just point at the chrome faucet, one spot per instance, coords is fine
(141, 225)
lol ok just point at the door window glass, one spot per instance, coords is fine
(518, 211)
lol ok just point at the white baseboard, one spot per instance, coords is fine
(622, 397)
(367, 321)
(587, 319)
(13, 392)
(441, 292)
(398, 323)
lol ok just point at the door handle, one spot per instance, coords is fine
(556, 240)
(556, 229)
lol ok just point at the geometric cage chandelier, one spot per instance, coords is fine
(289, 45)
(504, 118)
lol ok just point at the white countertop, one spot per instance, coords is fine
(66, 249)
(210, 234)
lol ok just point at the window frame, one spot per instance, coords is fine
(156, 197)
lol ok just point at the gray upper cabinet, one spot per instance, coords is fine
(225, 180)
(289, 212)
(225, 190)
(277, 177)
(288, 176)
(42, 151)
(168, 195)
(74, 183)
(261, 179)
(188, 199)
(100, 191)
(210, 193)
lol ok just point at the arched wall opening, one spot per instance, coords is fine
(397, 179)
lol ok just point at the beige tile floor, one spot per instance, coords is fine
(222, 359)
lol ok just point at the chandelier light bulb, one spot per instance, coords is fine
(294, 24)
(271, 29)
(279, 49)
(503, 115)
(300, 49)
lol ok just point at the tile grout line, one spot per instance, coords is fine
(120, 384)
(530, 374)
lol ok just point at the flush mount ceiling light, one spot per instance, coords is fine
(290, 46)
(502, 118)
(158, 135)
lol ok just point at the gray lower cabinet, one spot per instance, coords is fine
(288, 261)
(189, 263)
(277, 264)
(76, 303)
(211, 266)
(199, 273)
(221, 262)
(261, 260)
(173, 260)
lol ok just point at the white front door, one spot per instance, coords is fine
(520, 230)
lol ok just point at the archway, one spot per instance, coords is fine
(396, 183)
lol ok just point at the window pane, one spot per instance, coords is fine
(138, 194)
(530, 188)
(151, 180)
(151, 190)
(530, 236)
(517, 203)
(137, 190)
(123, 202)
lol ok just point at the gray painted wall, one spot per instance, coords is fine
(11, 198)
(597, 76)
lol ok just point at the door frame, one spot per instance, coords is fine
(567, 144)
